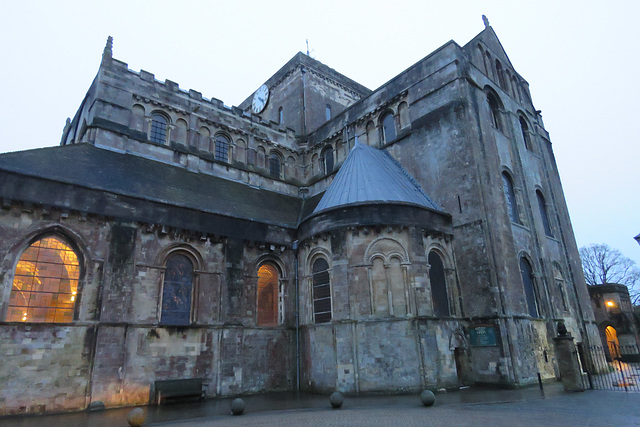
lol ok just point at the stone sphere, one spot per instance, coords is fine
(336, 399)
(136, 417)
(237, 406)
(427, 398)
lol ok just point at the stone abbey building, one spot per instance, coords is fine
(321, 235)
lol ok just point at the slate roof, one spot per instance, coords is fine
(370, 176)
(85, 165)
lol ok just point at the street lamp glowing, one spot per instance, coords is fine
(610, 304)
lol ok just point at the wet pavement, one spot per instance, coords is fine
(468, 407)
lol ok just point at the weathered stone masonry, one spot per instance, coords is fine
(411, 237)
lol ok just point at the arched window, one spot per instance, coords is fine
(482, 58)
(438, 285)
(267, 299)
(321, 291)
(222, 148)
(489, 65)
(177, 290)
(158, 128)
(45, 283)
(280, 116)
(275, 165)
(500, 73)
(507, 81)
(510, 197)
(327, 157)
(525, 134)
(529, 291)
(327, 112)
(495, 107)
(388, 128)
(542, 204)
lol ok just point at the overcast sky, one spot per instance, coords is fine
(580, 58)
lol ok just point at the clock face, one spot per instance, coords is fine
(260, 98)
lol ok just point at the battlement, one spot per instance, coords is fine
(194, 96)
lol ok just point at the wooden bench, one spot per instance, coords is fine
(190, 387)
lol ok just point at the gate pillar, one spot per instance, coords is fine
(567, 356)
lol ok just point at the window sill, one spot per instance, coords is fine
(522, 226)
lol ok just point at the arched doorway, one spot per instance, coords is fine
(612, 342)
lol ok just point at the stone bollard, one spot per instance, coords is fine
(427, 398)
(336, 399)
(237, 406)
(567, 356)
(136, 417)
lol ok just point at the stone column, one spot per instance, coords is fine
(567, 356)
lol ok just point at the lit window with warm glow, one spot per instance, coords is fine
(267, 295)
(45, 283)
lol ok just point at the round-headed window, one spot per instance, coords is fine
(45, 283)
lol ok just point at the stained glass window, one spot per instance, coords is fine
(321, 291)
(45, 283)
(177, 289)
(267, 295)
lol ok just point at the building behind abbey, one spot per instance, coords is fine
(321, 234)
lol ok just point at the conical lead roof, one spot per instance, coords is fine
(372, 176)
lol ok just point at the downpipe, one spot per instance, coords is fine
(297, 315)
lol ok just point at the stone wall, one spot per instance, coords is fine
(117, 346)
(45, 368)
(385, 334)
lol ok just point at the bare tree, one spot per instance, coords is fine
(602, 264)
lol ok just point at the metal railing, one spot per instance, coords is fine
(612, 368)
